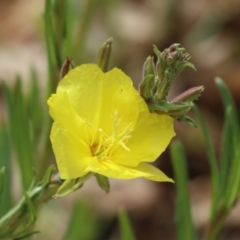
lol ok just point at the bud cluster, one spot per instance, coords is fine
(157, 80)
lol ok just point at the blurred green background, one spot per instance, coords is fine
(208, 30)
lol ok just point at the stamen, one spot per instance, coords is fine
(126, 131)
(106, 145)
(124, 146)
(100, 142)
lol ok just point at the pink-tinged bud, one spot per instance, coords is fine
(190, 95)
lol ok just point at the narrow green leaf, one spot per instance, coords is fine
(34, 104)
(47, 177)
(5, 162)
(68, 48)
(213, 164)
(125, 226)
(19, 131)
(103, 182)
(233, 181)
(49, 34)
(228, 101)
(59, 22)
(22, 137)
(2, 170)
(53, 56)
(31, 212)
(226, 152)
(185, 227)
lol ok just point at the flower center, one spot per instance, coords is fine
(107, 144)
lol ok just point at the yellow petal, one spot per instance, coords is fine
(141, 103)
(72, 153)
(62, 111)
(112, 170)
(150, 138)
(83, 85)
(97, 96)
(118, 98)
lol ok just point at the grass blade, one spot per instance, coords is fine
(226, 152)
(125, 226)
(185, 226)
(5, 162)
(83, 224)
(233, 181)
(213, 164)
(19, 131)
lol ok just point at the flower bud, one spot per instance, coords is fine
(157, 81)
(66, 67)
(104, 55)
(170, 64)
(148, 67)
(160, 65)
(146, 87)
(190, 95)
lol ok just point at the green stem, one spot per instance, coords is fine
(19, 219)
(214, 227)
(18, 214)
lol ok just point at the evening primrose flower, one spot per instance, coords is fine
(102, 125)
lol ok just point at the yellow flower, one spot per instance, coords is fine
(102, 125)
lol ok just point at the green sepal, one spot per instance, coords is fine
(171, 109)
(71, 185)
(187, 119)
(103, 182)
(68, 186)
